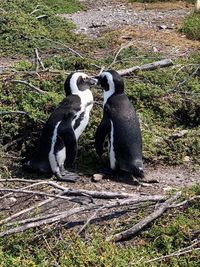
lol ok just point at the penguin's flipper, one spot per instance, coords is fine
(66, 133)
(101, 133)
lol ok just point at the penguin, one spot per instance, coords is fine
(121, 125)
(58, 141)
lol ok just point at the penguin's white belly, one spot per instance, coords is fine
(52, 156)
(86, 106)
(83, 123)
(111, 148)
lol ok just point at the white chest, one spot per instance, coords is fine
(82, 117)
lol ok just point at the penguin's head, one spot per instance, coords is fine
(110, 81)
(78, 82)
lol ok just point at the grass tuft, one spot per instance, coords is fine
(191, 26)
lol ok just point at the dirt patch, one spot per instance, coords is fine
(167, 177)
(153, 27)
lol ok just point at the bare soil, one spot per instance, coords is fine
(153, 27)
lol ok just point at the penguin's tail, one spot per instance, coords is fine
(36, 166)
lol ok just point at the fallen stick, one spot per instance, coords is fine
(32, 192)
(151, 66)
(20, 180)
(144, 222)
(173, 90)
(96, 194)
(69, 48)
(83, 192)
(177, 253)
(42, 220)
(37, 205)
(118, 52)
(99, 206)
(30, 85)
(38, 60)
(14, 112)
(22, 188)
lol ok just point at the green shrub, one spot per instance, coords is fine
(21, 30)
(191, 26)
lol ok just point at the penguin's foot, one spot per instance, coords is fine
(67, 176)
(107, 171)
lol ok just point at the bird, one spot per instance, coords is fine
(121, 125)
(60, 134)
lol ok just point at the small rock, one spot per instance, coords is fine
(162, 27)
(12, 199)
(97, 177)
(83, 29)
(168, 188)
(155, 50)
(186, 159)
(179, 134)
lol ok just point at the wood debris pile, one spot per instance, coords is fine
(45, 202)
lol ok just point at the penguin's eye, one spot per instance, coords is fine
(80, 80)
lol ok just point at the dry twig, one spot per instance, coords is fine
(118, 52)
(173, 90)
(180, 252)
(38, 60)
(140, 225)
(14, 112)
(151, 66)
(29, 85)
(32, 192)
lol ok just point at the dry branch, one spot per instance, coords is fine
(42, 220)
(32, 193)
(14, 112)
(29, 85)
(38, 60)
(41, 16)
(151, 217)
(118, 52)
(173, 90)
(177, 253)
(20, 180)
(97, 194)
(67, 47)
(151, 66)
(37, 205)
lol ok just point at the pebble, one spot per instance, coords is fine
(97, 177)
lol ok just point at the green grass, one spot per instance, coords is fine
(162, 114)
(21, 31)
(173, 231)
(60, 6)
(191, 26)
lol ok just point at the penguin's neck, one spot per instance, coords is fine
(85, 96)
(107, 94)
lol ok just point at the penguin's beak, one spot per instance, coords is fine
(97, 80)
(92, 81)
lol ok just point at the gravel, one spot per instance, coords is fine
(112, 16)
